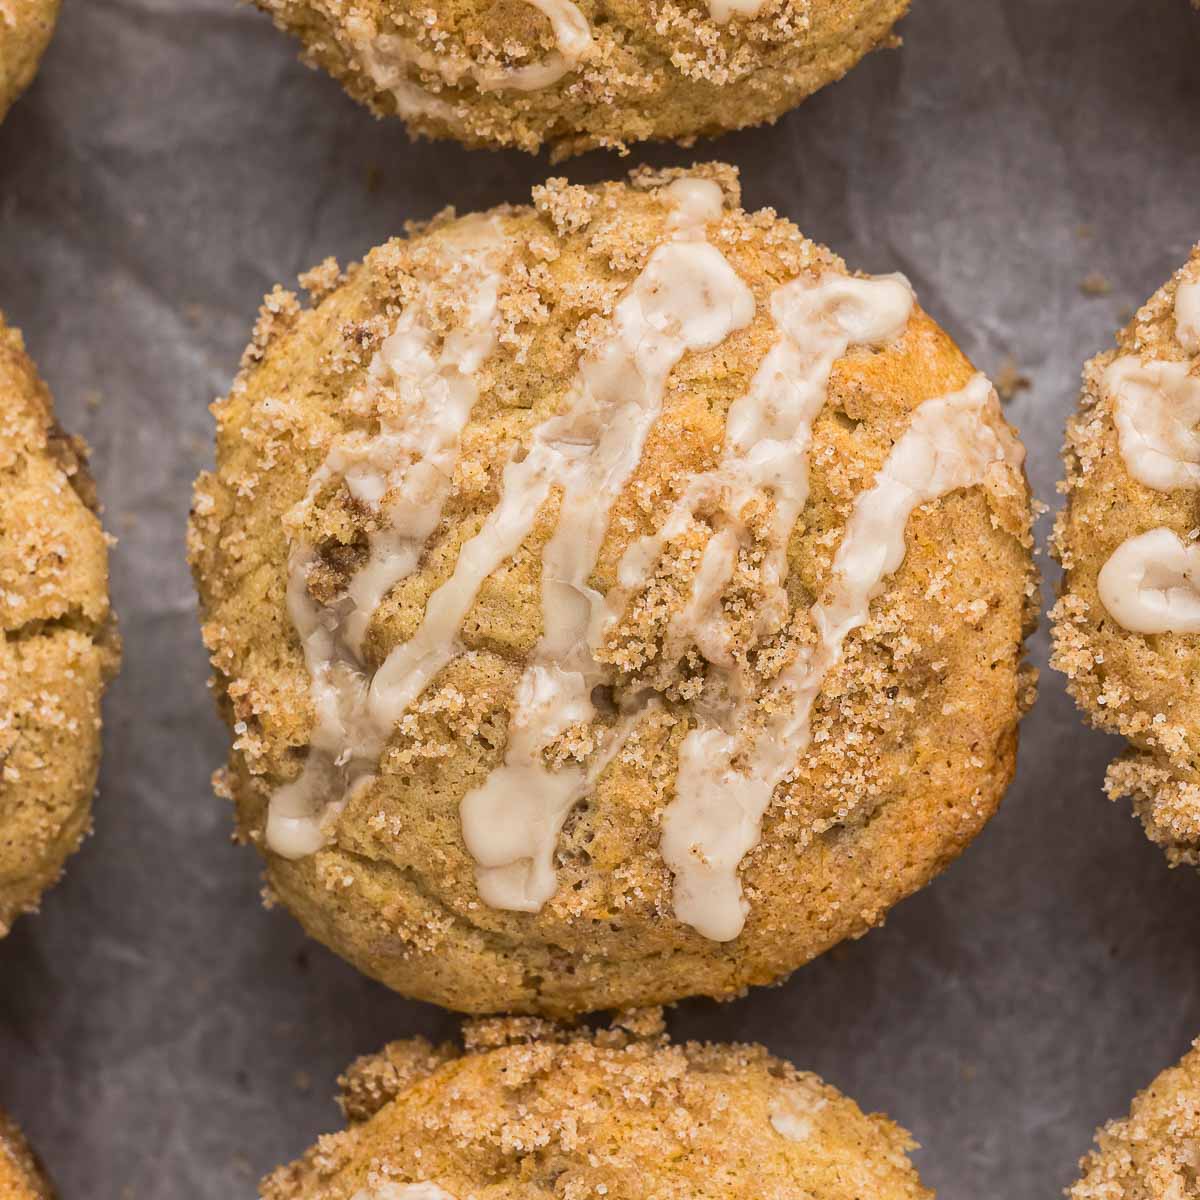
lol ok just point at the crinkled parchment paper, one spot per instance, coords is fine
(162, 1036)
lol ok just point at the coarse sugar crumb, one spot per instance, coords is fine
(1136, 685)
(1151, 1153)
(584, 1113)
(60, 643)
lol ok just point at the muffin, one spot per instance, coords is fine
(1125, 628)
(26, 27)
(612, 599)
(1154, 1153)
(59, 644)
(533, 1111)
(21, 1175)
(574, 76)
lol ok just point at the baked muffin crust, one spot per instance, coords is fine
(1125, 627)
(60, 645)
(533, 1111)
(715, 520)
(577, 74)
(1154, 1153)
(26, 27)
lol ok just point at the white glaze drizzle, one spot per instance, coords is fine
(1151, 584)
(726, 778)
(687, 298)
(388, 57)
(722, 10)
(768, 435)
(403, 474)
(573, 36)
(1187, 316)
(1156, 408)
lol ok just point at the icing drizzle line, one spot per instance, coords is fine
(726, 779)
(387, 57)
(1151, 583)
(1187, 315)
(687, 298)
(403, 475)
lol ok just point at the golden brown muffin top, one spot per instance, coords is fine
(530, 1110)
(59, 645)
(711, 567)
(1125, 628)
(1154, 1153)
(577, 74)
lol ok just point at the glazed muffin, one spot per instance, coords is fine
(532, 1111)
(21, 1175)
(1126, 627)
(26, 27)
(574, 76)
(612, 600)
(59, 644)
(1154, 1153)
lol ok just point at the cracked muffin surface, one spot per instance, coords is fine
(26, 27)
(532, 1111)
(60, 646)
(1154, 1153)
(21, 1175)
(1126, 625)
(577, 74)
(612, 599)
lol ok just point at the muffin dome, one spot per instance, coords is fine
(21, 1176)
(613, 600)
(530, 1111)
(26, 27)
(59, 644)
(1126, 626)
(576, 74)
(1154, 1153)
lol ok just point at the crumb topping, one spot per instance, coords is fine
(617, 1112)
(1154, 1153)
(719, 612)
(583, 75)
(1124, 628)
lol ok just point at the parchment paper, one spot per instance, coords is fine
(162, 1036)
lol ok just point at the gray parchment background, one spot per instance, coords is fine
(163, 1037)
